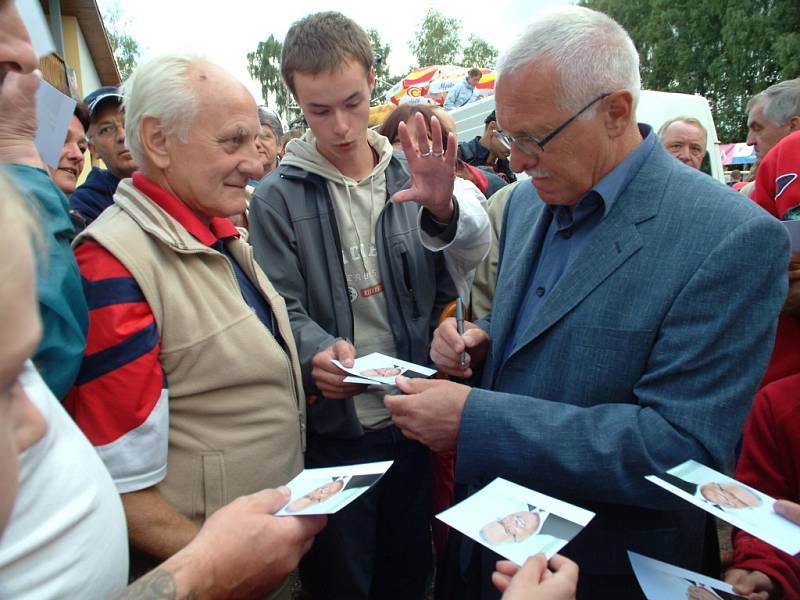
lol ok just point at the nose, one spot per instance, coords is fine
(520, 161)
(340, 126)
(74, 152)
(121, 133)
(17, 53)
(751, 139)
(683, 155)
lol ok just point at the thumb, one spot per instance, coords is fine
(345, 352)
(472, 337)
(531, 573)
(414, 385)
(789, 510)
(271, 500)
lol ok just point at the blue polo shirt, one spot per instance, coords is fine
(567, 234)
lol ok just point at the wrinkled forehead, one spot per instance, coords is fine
(523, 93)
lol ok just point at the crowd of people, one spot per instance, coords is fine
(170, 326)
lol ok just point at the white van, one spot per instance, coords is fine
(654, 109)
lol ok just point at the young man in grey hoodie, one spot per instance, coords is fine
(365, 256)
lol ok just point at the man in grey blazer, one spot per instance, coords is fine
(637, 314)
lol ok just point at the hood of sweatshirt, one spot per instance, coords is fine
(303, 153)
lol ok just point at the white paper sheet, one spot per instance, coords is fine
(326, 491)
(380, 368)
(755, 515)
(53, 116)
(663, 581)
(516, 522)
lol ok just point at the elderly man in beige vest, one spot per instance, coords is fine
(190, 388)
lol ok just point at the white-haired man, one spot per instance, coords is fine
(636, 319)
(190, 388)
(772, 115)
(686, 139)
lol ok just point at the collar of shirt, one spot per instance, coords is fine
(609, 188)
(218, 229)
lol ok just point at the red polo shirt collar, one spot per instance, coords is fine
(218, 229)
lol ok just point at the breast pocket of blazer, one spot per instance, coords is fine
(611, 359)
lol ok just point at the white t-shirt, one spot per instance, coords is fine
(67, 536)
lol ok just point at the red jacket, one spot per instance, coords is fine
(770, 462)
(777, 191)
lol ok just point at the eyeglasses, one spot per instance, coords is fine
(530, 144)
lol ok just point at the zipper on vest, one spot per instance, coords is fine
(283, 345)
(407, 277)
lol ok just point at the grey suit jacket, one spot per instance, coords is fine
(646, 353)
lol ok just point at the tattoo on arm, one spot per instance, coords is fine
(156, 585)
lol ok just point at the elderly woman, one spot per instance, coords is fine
(70, 163)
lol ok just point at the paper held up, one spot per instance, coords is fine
(377, 368)
(740, 505)
(326, 491)
(516, 522)
(663, 581)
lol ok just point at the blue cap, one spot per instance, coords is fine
(99, 96)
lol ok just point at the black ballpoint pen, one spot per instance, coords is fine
(460, 328)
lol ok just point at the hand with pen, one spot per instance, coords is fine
(429, 410)
(448, 345)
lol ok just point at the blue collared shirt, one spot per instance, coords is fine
(567, 234)
(460, 94)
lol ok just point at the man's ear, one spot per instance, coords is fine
(618, 112)
(371, 79)
(794, 123)
(154, 142)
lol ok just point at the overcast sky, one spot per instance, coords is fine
(227, 32)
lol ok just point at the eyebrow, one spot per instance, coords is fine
(352, 96)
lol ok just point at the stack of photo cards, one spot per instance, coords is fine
(516, 522)
(377, 368)
(731, 501)
(326, 491)
(662, 581)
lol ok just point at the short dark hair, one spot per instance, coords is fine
(473, 72)
(489, 118)
(82, 112)
(402, 114)
(322, 42)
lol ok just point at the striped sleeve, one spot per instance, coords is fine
(120, 399)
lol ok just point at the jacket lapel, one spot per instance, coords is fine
(615, 239)
(523, 233)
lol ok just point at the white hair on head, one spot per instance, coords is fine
(591, 52)
(161, 88)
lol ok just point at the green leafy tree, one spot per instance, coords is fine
(383, 79)
(479, 53)
(726, 51)
(437, 40)
(125, 49)
(264, 65)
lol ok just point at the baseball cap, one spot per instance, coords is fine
(100, 95)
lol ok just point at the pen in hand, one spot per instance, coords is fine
(462, 360)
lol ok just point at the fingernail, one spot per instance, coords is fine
(284, 490)
(400, 379)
